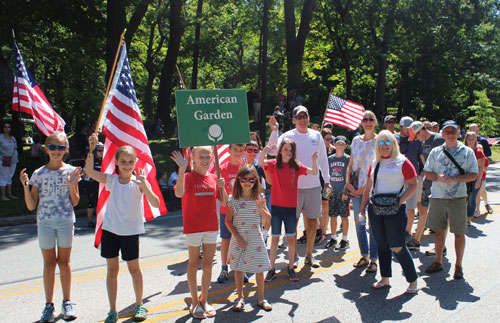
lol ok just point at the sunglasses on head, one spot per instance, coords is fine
(250, 150)
(302, 117)
(249, 179)
(382, 142)
(56, 147)
(368, 120)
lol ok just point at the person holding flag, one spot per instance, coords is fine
(123, 222)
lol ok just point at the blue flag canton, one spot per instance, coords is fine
(21, 71)
(336, 103)
(125, 85)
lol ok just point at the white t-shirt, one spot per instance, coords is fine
(307, 144)
(124, 214)
(358, 149)
(392, 174)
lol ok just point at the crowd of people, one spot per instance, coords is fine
(387, 180)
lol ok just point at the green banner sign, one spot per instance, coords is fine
(212, 117)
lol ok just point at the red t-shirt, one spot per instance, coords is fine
(480, 154)
(285, 190)
(486, 164)
(199, 210)
(228, 171)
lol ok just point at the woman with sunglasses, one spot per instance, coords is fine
(391, 173)
(362, 153)
(55, 190)
(8, 153)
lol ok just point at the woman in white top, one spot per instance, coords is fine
(8, 154)
(362, 153)
(391, 173)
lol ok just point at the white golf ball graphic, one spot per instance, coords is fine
(215, 131)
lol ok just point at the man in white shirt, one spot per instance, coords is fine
(308, 141)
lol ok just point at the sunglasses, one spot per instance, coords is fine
(100, 150)
(328, 139)
(382, 142)
(249, 179)
(391, 122)
(368, 120)
(302, 117)
(250, 150)
(57, 147)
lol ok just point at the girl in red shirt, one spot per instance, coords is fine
(284, 171)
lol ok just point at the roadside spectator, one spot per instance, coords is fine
(390, 123)
(8, 153)
(448, 203)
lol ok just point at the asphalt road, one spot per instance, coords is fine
(335, 292)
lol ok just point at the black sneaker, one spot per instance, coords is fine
(292, 275)
(319, 240)
(331, 244)
(414, 244)
(489, 209)
(302, 239)
(283, 244)
(344, 244)
(407, 237)
(271, 274)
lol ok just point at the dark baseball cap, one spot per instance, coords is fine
(449, 123)
(341, 139)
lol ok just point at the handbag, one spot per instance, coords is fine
(6, 161)
(469, 185)
(387, 203)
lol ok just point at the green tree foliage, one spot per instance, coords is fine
(484, 113)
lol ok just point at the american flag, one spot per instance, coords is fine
(122, 125)
(30, 98)
(493, 141)
(344, 113)
(223, 151)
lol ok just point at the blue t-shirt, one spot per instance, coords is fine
(338, 171)
(412, 150)
(53, 193)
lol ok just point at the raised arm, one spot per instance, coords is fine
(89, 162)
(30, 197)
(262, 157)
(273, 138)
(143, 184)
(314, 170)
(182, 162)
(73, 179)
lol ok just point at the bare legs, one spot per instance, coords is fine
(206, 266)
(112, 281)
(50, 261)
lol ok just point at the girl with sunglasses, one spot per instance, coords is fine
(285, 171)
(55, 190)
(247, 251)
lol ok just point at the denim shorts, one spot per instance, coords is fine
(284, 215)
(224, 231)
(55, 231)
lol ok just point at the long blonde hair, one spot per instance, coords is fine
(383, 136)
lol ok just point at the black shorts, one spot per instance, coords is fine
(112, 243)
(337, 206)
(92, 189)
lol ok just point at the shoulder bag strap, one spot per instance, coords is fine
(460, 169)
(375, 177)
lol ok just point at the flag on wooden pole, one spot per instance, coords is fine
(122, 125)
(344, 113)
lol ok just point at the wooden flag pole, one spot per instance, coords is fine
(180, 77)
(324, 116)
(111, 75)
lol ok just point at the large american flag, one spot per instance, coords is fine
(30, 99)
(122, 125)
(344, 113)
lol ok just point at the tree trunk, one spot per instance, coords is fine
(265, 31)
(381, 85)
(405, 91)
(196, 50)
(168, 69)
(295, 42)
(115, 23)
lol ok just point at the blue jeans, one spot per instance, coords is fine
(389, 231)
(361, 232)
(285, 215)
(471, 202)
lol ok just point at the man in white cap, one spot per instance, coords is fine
(308, 141)
(449, 167)
(412, 150)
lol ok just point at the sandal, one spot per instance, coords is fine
(239, 305)
(372, 267)
(411, 291)
(379, 285)
(198, 312)
(264, 304)
(361, 262)
(210, 311)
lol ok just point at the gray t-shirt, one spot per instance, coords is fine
(434, 141)
(338, 170)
